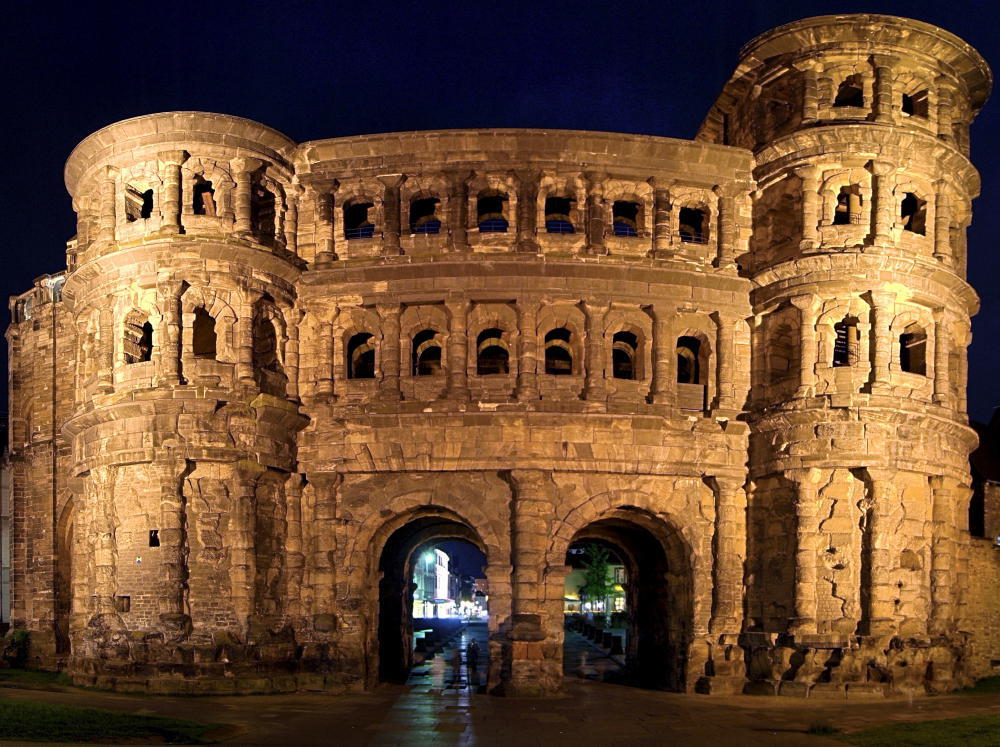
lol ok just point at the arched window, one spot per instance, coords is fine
(423, 216)
(850, 92)
(203, 197)
(915, 104)
(357, 224)
(138, 342)
(913, 212)
(557, 218)
(848, 210)
(558, 354)
(692, 225)
(203, 334)
(262, 211)
(138, 204)
(624, 346)
(426, 353)
(625, 218)
(361, 356)
(913, 350)
(688, 365)
(845, 344)
(491, 353)
(489, 213)
(265, 344)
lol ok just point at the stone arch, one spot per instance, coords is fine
(915, 97)
(569, 187)
(561, 316)
(914, 208)
(913, 354)
(140, 197)
(855, 181)
(351, 322)
(493, 185)
(199, 297)
(420, 318)
(497, 316)
(64, 584)
(638, 192)
(269, 337)
(687, 202)
(637, 323)
(420, 187)
(219, 175)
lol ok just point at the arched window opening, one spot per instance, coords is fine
(624, 346)
(203, 198)
(558, 354)
(357, 224)
(426, 353)
(138, 204)
(692, 221)
(361, 356)
(491, 353)
(203, 339)
(913, 350)
(557, 218)
(850, 92)
(846, 342)
(262, 211)
(138, 340)
(688, 366)
(265, 344)
(913, 212)
(423, 216)
(625, 218)
(489, 212)
(848, 210)
(916, 104)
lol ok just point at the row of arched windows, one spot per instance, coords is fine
(851, 94)
(137, 340)
(912, 346)
(848, 211)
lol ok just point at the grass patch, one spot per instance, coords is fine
(27, 720)
(35, 678)
(985, 686)
(822, 729)
(968, 731)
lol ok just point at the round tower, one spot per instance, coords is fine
(181, 284)
(859, 468)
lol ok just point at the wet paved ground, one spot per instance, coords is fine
(438, 706)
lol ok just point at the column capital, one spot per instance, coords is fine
(172, 157)
(245, 164)
(325, 480)
(881, 298)
(882, 168)
(805, 301)
(884, 60)
(391, 180)
(806, 171)
(807, 478)
(250, 470)
(595, 180)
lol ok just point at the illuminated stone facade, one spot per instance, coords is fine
(272, 371)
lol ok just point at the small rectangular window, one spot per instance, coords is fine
(154, 537)
(123, 604)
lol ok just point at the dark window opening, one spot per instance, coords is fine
(692, 228)
(558, 355)
(848, 210)
(625, 218)
(123, 604)
(913, 350)
(138, 340)
(489, 212)
(491, 353)
(977, 509)
(203, 201)
(262, 211)
(265, 344)
(850, 93)
(154, 537)
(357, 224)
(361, 356)
(423, 216)
(138, 205)
(203, 338)
(624, 346)
(845, 344)
(916, 105)
(426, 353)
(913, 211)
(557, 215)
(688, 366)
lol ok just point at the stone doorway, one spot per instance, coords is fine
(655, 583)
(405, 552)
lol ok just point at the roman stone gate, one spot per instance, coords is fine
(271, 372)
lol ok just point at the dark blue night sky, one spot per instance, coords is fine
(328, 69)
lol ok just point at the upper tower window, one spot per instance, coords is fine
(558, 356)
(138, 204)
(850, 92)
(845, 344)
(916, 104)
(489, 213)
(688, 363)
(361, 356)
(423, 216)
(625, 218)
(848, 210)
(357, 224)
(262, 211)
(138, 338)
(203, 338)
(913, 212)
(491, 353)
(624, 346)
(203, 199)
(426, 353)
(557, 218)
(913, 350)
(693, 222)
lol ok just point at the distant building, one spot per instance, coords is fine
(437, 585)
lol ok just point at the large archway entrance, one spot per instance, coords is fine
(425, 568)
(648, 603)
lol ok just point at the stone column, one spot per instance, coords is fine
(244, 340)
(758, 358)
(595, 386)
(942, 224)
(527, 210)
(101, 496)
(292, 218)
(324, 546)
(389, 351)
(240, 538)
(726, 256)
(294, 318)
(725, 357)
(942, 557)
(664, 358)
(170, 204)
(883, 303)
(168, 336)
(945, 110)
(807, 304)
(883, 103)
(326, 234)
(459, 198)
(324, 363)
(942, 383)
(661, 218)
(885, 204)
(729, 555)
(107, 220)
(527, 368)
(391, 217)
(809, 175)
(458, 350)
(106, 348)
(962, 405)
(810, 92)
(174, 547)
(294, 569)
(596, 212)
(807, 538)
(243, 169)
(881, 502)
